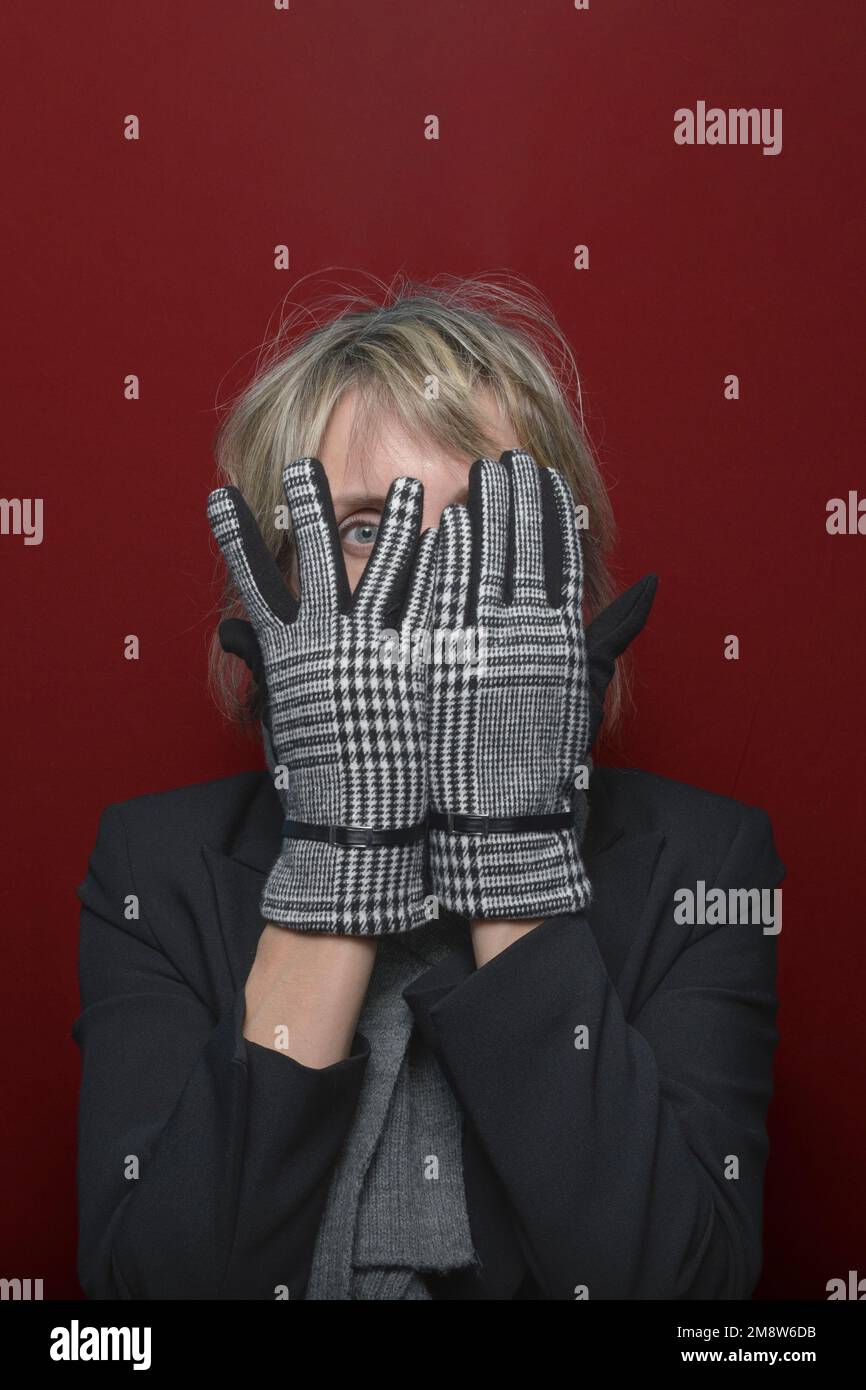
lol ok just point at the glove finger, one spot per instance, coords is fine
(386, 575)
(257, 578)
(525, 570)
(551, 539)
(321, 568)
(419, 600)
(488, 508)
(569, 537)
(453, 569)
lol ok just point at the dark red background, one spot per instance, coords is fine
(261, 127)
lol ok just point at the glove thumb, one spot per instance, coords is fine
(239, 637)
(607, 637)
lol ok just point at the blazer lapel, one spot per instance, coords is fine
(238, 876)
(621, 862)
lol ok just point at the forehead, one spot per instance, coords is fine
(367, 462)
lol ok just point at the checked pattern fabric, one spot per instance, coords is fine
(348, 726)
(508, 731)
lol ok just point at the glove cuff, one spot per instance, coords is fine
(347, 891)
(508, 876)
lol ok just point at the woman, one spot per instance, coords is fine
(414, 1013)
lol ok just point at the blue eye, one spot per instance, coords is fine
(361, 533)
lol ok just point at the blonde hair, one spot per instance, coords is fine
(489, 331)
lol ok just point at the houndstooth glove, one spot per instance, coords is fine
(347, 706)
(510, 712)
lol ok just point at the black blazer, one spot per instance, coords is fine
(609, 1169)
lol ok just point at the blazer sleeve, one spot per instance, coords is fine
(204, 1159)
(634, 1166)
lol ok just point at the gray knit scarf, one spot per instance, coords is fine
(396, 1206)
